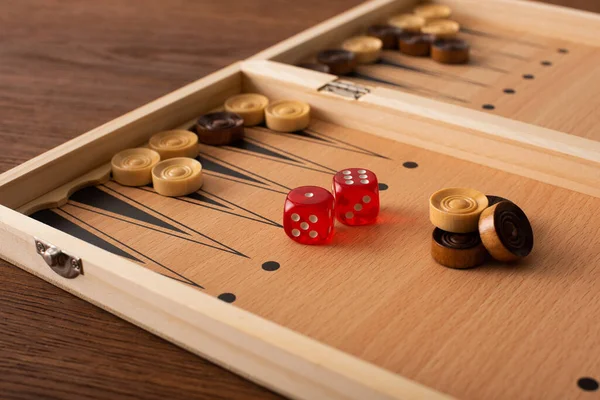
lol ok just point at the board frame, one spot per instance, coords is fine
(269, 354)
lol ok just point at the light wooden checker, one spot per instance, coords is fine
(563, 94)
(525, 331)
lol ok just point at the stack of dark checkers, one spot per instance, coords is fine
(471, 226)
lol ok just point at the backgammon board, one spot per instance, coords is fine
(371, 314)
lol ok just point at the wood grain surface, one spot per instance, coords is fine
(66, 67)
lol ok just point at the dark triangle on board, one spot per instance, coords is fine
(308, 135)
(94, 197)
(354, 148)
(226, 248)
(221, 169)
(204, 199)
(54, 220)
(245, 145)
(428, 72)
(263, 219)
(180, 277)
(182, 280)
(358, 75)
(302, 133)
(476, 32)
(407, 67)
(312, 134)
(407, 87)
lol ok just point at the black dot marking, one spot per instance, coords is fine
(546, 63)
(410, 164)
(227, 297)
(271, 266)
(488, 107)
(528, 76)
(588, 384)
(509, 91)
(383, 186)
(564, 51)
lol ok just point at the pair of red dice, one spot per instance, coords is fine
(310, 211)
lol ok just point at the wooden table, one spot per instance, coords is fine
(66, 67)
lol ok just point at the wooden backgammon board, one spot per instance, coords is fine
(370, 315)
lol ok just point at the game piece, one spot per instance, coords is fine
(175, 143)
(407, 22)
(340, 62)
(367, 49)
(177, 176)
(457, 210)
(433, 11)
(315, 67)
(388, 35)
(506, 232)
(220, 128)
(457, 250)
(356, 193)
(133, 167)
(250, 106)
(494, 199)
(415, 44)
(441, 29)
(308, 215)
(450, 51)
(287, 115)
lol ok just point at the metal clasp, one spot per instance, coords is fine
(346, 89)
(62, 263)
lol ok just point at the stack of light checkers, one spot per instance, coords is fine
(169, 164)
(426, 32)
(281, 115)
(470, 226)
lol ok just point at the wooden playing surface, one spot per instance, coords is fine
(522, 331)
(530, 78)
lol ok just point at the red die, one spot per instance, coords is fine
(308, 215)
(356, 194)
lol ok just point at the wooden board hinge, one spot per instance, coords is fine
(345, 89)
(62, 263)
